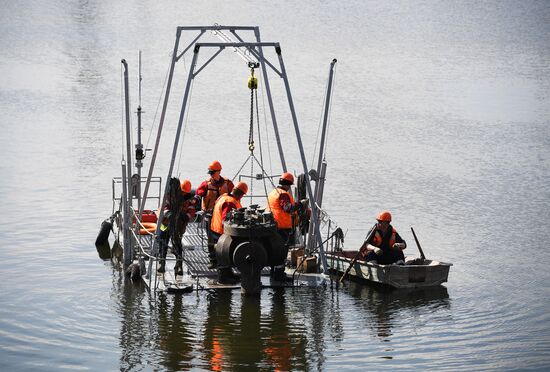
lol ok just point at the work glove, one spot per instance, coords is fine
(376, 250)
(399, 246)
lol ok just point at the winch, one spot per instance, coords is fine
(250, 242)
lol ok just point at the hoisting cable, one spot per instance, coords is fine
(266, 132)
(253, 86)
(185, 124)
(158, 104)
(260, 141)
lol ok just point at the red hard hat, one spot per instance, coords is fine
(243, 187)
(287, 177)
(186, 186)
(384, 216)
(215, 166)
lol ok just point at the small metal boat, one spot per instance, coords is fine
(415, 273)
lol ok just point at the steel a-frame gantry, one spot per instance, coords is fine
(254, 50)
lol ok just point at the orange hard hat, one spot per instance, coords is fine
(186, 186)
(243, 187)
(384, 216)
(288, 177)
(215, 166)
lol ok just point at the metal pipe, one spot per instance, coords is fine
(128, 133)
(321, 163)
(139, 145)
(127, 246)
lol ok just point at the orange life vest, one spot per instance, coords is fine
(377, 241)
(282, 218)
(213, 192)
(216, 224)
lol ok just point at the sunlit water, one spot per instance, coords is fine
(440, 114)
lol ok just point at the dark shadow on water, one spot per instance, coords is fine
(384, 306)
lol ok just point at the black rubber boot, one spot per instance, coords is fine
(279, 275)
(234, 275)
(178, 269)
(162, 267)
(212, 257)
(225, 276)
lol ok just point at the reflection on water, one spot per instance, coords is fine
(440, 114)
(387, 305)
(281, 329)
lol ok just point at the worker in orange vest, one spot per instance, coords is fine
(210, 190)
(385, 246)
(225, 204)
(285, 213)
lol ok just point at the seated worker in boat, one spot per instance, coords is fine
(210, 190)
(285, 213)
(385, 246)
(181, 199)
(223, 206)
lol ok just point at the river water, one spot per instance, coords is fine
(440, 114)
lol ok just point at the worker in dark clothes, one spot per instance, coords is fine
(385, 246)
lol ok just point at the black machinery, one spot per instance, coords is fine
(250, 242)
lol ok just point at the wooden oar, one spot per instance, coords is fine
(418, 245)
(371, 232)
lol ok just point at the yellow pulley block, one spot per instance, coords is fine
(252, 82)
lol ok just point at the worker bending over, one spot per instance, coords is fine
(225, 204)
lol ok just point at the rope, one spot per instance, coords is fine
(266, 132)
(185, 124)
(158, 103)
(260, 141)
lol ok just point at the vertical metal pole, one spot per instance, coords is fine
(270, 101)
(321, 164)
(139, 145)
(161, 123)
(303, 157)
(126, 223)
(324, 131)
(128, 133)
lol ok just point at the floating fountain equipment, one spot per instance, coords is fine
(250, 242)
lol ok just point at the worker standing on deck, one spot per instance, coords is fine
(385, 246)
(210, 190)
(186, 214)
(285, 212)
(225, 204)
(174, 224)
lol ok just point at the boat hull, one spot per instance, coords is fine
(431, 273)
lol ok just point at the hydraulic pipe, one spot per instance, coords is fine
(128, 131)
